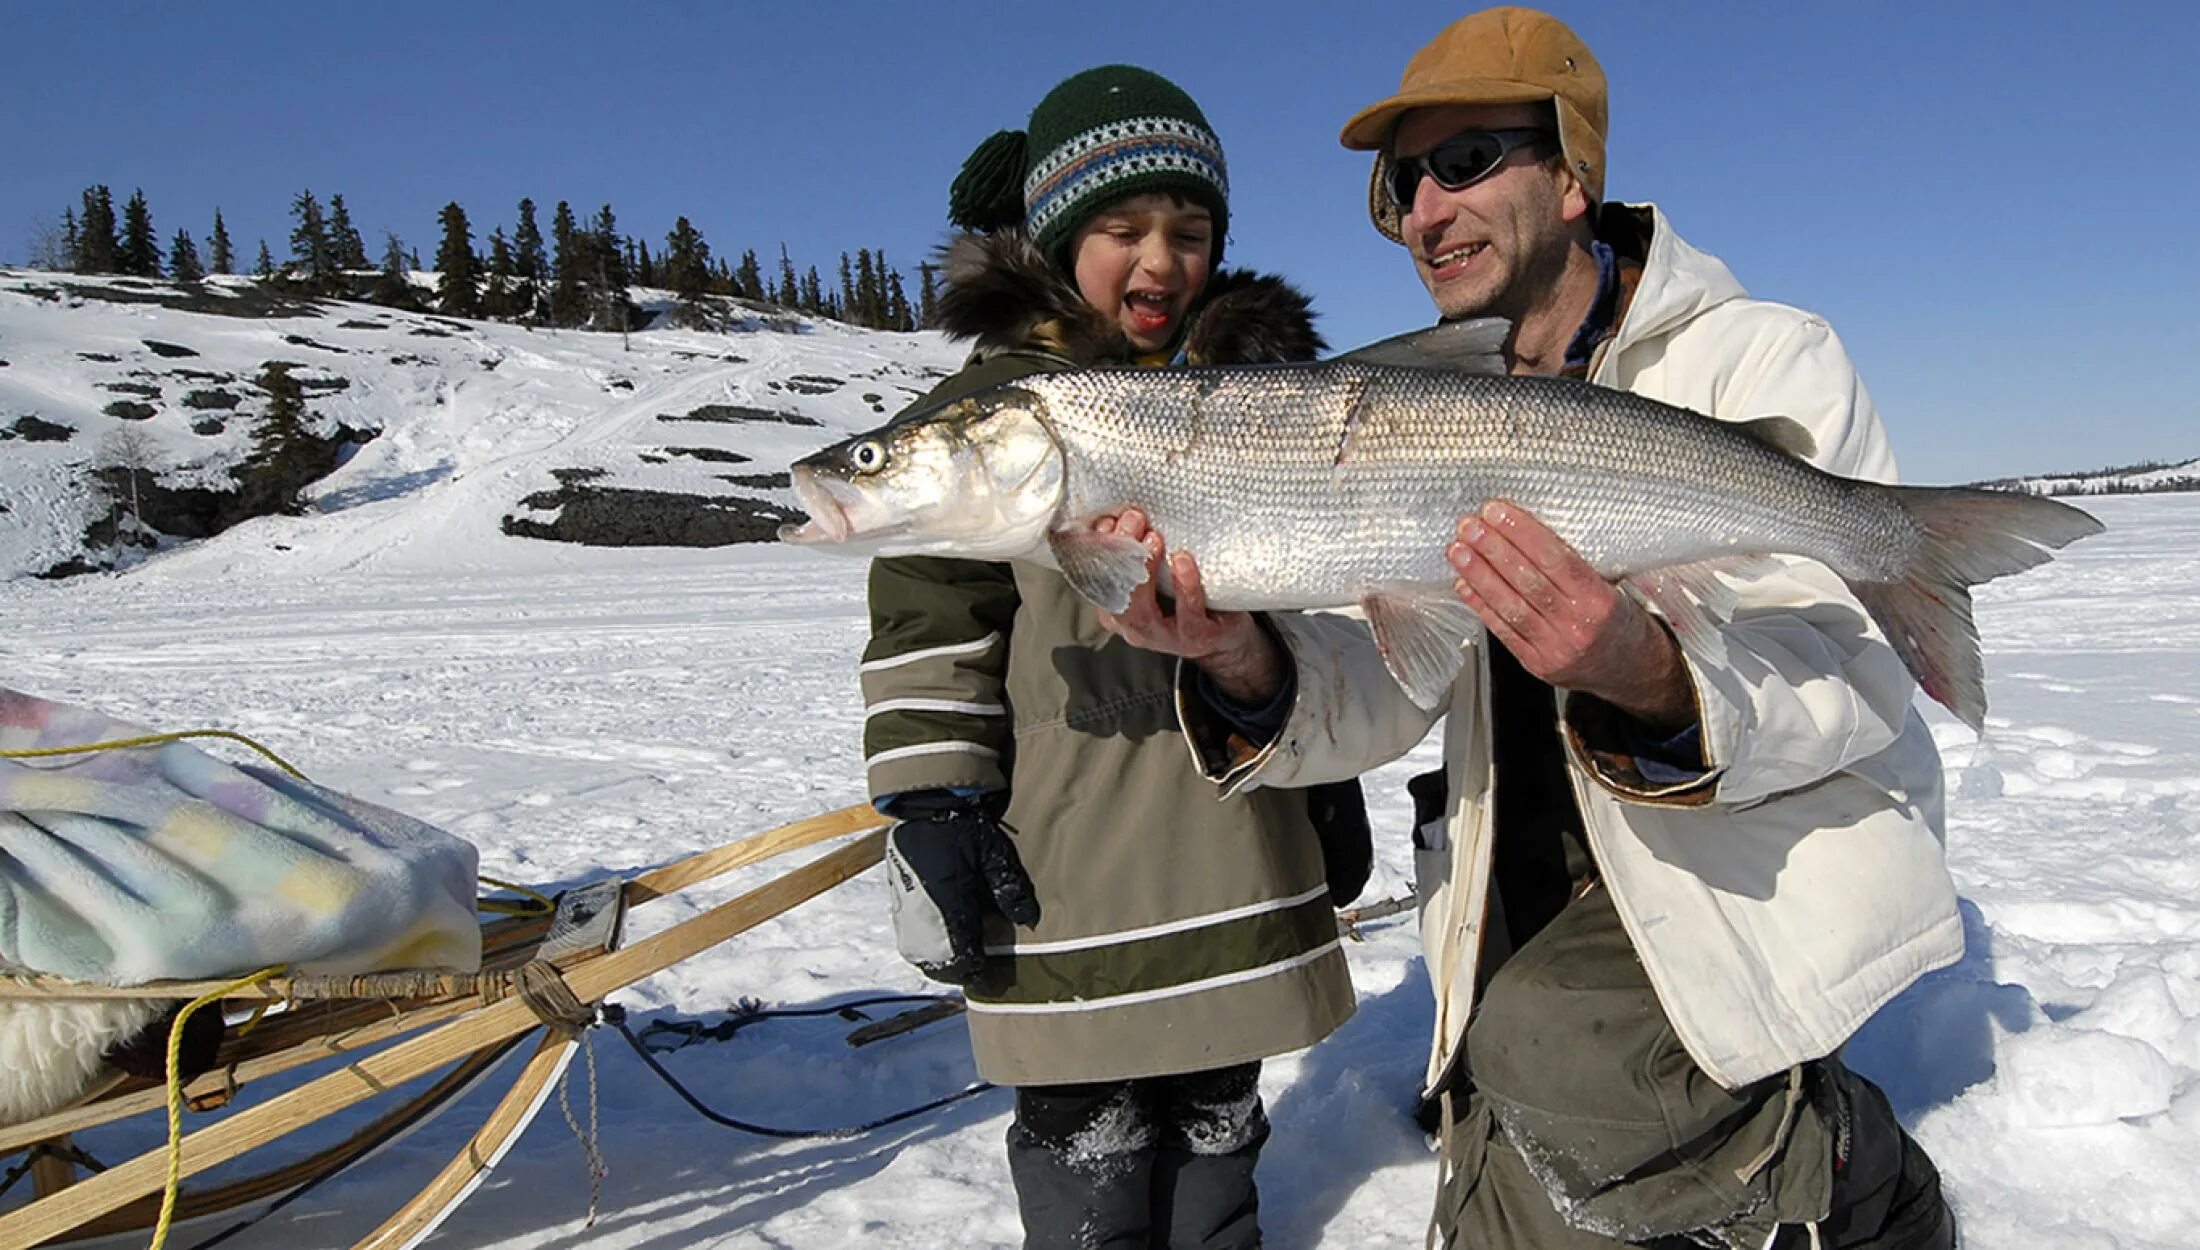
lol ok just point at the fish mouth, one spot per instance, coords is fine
(827, 522)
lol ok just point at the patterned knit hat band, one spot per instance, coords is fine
(1119, 159)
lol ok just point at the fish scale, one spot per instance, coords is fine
(1242, 466)
(1341, 483)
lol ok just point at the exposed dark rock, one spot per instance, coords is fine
(301, 340)
(715, 455)
(263, 487)
(201, 375)
(259, 300)
(570, 476)
(174, 351)
(601, 516)
(767, 481)
(99, 358)
(427, 332)
(212, 399)
(355, 324)
(736, 414)
(35, 430)
(812, 384)
(620, 384)
(139, 389)
(131, 410)
(209, 426)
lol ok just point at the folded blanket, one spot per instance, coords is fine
(156, 862)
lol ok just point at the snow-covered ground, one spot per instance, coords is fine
(581, 712)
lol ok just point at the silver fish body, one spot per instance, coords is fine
(1302, 487)
(1342, 482)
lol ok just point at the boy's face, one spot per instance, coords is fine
(1143, 261)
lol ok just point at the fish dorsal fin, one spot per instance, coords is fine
(1781, 434)
(1104, 568)
(1476, 345)
(1420, 630)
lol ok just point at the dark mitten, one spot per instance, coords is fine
(947, 863)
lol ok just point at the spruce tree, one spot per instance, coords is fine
(139, 255)
(66, 262)
(813, 292)
(280, 437)
(897, 304)
(222, 259)
(458, 288)
(748, 280)
(567, 269)
(183, 259)
(529, 264)
(496, 297)
(393, 286)
(847, 285)
(928, 294)
(265, 267)
(687, 269)
(645, 269)
(309, 243)
(349, 249)
(96, 245)
(788, 295)
(607, 278)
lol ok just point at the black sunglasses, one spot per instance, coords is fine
(1462, 160)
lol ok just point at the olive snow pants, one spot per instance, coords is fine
(1582, 1123)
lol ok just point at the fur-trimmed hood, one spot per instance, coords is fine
(1002, 293)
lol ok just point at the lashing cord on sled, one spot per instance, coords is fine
(615, 1016)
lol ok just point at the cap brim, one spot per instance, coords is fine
(1370, 128)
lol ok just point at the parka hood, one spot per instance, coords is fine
(1002, 294)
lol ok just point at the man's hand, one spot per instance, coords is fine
(1564, 622)
(1238, 656)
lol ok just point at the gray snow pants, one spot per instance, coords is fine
(1586, 1125)
(1162, 1163)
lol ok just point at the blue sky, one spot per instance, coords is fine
(1987, 200)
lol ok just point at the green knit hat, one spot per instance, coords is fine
(1100, 136)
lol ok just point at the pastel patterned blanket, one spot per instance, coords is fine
(162, 861)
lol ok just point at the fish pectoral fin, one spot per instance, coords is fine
(1475, 345)
(1420, 632)
(1104, 568)
(1783, 434)
(1691, 597)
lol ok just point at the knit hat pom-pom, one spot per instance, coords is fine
(989, 192)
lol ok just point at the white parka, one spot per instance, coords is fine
(1781, 900)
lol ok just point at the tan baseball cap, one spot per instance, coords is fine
(1506, 55)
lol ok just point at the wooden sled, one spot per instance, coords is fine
(400, 1027)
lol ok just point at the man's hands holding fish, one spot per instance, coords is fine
(1556, 614)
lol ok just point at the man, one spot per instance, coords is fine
(1660, 890)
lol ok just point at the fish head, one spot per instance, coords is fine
(981, 477)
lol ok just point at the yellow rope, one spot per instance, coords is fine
(116, 744)
(175, 1094)
(538, 904)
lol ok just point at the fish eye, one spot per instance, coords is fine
(867, 457)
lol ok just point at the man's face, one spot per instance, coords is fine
(1493, 247)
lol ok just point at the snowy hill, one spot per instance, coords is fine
(450, 435)
(582, 711)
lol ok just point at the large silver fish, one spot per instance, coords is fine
(1341, 482)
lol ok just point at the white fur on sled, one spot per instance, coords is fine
(49, 1051)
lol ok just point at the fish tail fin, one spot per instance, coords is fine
(1970, 536)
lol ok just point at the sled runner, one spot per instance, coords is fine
(541, 976)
